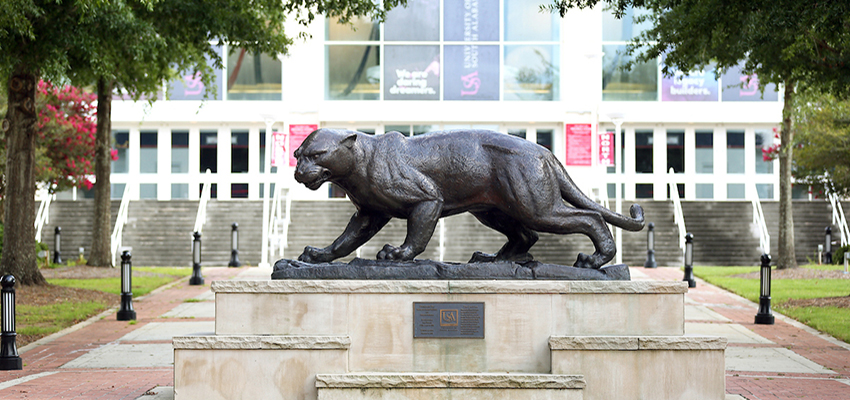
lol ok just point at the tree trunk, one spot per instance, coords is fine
(101, 251)
(787, 257)
(19, 238)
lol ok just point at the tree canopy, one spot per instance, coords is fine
(132, 45)
(787, 42)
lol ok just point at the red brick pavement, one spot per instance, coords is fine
(767, 385)
(118, 383)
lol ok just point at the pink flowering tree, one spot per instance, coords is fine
(66, 133)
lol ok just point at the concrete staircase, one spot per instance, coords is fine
(75, 218)
(160, 232)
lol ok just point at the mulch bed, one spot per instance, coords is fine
(806, 273)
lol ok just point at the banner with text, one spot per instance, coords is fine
(606, 149)
(297, 134)
(578, 144)
(412, 72)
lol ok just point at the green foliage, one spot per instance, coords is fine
(822, 143)
(832, 320)
(781, 289)
(36, 320)
(838, 255)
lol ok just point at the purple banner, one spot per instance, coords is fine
(471, 20)
(190, 87)
(737, 87)
(412, 72)
(696, 86)
(471, 72)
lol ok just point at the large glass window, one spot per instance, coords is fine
(704, 152)
(764, 140)
(545, 138)
(643, 151)
(239, 151)
(239, 190)
(253, 76)
(640, 83)
(147, 152)
(531, 72)
(704, 191)
(618, 141)
(121, 144)
(676, 150)
(179, 190)
(735, 191)
(263, 153)
(735, 152)
(433, 50)
(209, 151)
(147, 191)
(180, 152)
(765, 191)
(644, 191)
(117, 190)
(418, 21)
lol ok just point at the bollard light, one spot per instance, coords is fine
(234, 246)
(650, 247)
(126, 313)
(9, 358)
(827, 246)
(196, 278)
(764, 316)
(689, 261)
(57, 241)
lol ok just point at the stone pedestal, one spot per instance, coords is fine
(309, 339)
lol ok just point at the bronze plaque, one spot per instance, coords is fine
(448, 320)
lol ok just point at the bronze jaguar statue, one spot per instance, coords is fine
(509, 184)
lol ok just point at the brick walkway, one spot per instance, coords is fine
(804, 342)
(43, 377)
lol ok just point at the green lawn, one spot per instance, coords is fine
(832, 320)
(44, 320)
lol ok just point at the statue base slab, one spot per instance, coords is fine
(362, 269)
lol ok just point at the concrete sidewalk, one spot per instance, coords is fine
(107, 359)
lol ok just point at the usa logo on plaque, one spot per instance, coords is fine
(448, 320)
(448, 317)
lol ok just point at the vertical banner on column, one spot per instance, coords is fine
(297, 134)
(578, 144)
(606, 149)
(278, 149)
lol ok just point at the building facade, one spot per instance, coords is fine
(450, 64)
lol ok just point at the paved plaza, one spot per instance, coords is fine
(107, 359)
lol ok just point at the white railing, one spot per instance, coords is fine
(759, 220)
(678, 215)
(279, 221)
(118, 231)
(201, 216)
(839, 219)
(43, 215)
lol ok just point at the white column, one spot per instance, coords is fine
(223, 178)
(659, 164)
(264, 248)
(163, 163)
(720, 178)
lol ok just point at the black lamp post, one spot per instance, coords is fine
(234, 246)
(650, 247)
(689, 261)
(9, 358)
(196, 278)
(827, 246)
(764, 316)
(57, 241)
(126, 313)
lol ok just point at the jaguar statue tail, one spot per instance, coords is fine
(571, 194)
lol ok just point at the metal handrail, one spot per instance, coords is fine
(201, 216)
(43, 215)
(678, 215)
(839, 219)
(279, 221)
(116, 240)
(759, 219)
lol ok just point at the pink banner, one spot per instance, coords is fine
(297, 134)
(278, 149)
(606, 149)
(578, 144)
